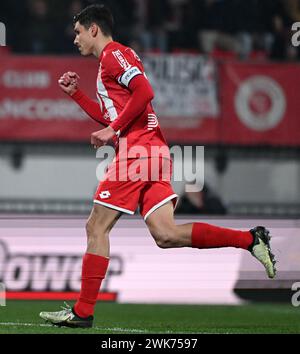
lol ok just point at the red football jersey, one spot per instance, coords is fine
(118, 66)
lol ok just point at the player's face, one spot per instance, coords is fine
(83, 39)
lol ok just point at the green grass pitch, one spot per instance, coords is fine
(22, 317)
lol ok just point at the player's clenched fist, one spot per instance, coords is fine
(101, 137)
(68, 82)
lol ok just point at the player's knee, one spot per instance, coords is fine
(94, 226)
(164, 238)
(90, 227)
(95, 233)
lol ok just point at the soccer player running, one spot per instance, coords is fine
(124, 108)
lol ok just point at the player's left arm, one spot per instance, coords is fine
(141, 95)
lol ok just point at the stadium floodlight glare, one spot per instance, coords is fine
(2, 295)
(2, 34)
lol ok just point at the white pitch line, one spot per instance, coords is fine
(25, 324)
(115, 329)
(111, 329)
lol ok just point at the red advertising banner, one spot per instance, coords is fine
(33, 108)
(260, 104)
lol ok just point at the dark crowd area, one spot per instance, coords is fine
(239, 28)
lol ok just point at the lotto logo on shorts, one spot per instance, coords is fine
(104, 195)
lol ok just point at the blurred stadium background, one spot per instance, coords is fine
(226, 77)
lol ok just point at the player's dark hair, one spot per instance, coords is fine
(98, 14)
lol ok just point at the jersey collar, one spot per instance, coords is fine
(108, 45)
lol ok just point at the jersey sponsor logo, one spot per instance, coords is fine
(104, 195)
(121, 59)
(152, 121)
(129, 75)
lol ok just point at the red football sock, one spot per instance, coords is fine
(209, 236)
(93, 271)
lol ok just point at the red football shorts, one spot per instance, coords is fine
(133, 183)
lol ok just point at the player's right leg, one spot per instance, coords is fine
(94, 267)
(157, 202)
(167, 234)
